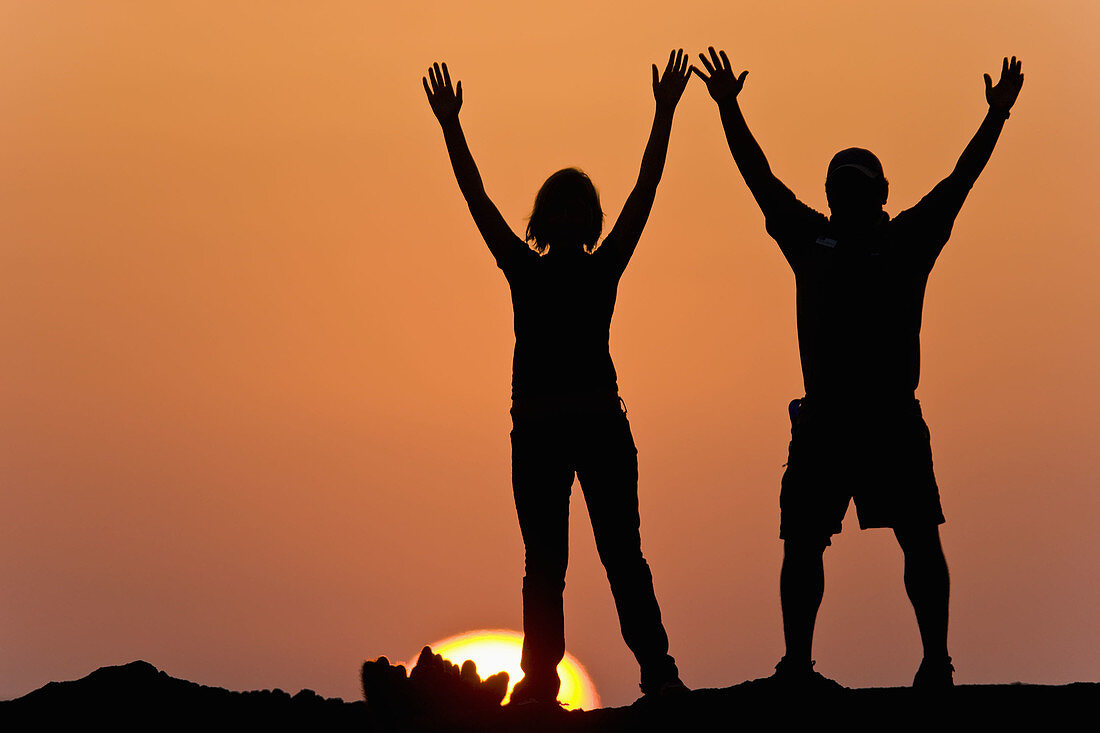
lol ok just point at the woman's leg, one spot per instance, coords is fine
(542, 478)
(608, 471)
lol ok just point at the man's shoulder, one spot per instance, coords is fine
(913, 216)
(793, 219)
(800, 234)
(939, 206)
(923, 229)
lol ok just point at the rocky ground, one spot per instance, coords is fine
(438, 696)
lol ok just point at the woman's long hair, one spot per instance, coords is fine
(566, 212)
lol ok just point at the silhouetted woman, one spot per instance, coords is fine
(566, 413)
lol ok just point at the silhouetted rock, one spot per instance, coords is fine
(137, 696)
(436, 694)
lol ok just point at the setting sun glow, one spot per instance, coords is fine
(499, 651)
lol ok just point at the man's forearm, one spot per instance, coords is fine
(747, 153)
(978, 151)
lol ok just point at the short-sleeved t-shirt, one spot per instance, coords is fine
(562, 306)
(860, 296)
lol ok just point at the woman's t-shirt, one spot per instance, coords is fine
(562, 306)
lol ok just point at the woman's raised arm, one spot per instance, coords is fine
(667, 90)
(445, 100)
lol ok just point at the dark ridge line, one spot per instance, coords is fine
(139, 696)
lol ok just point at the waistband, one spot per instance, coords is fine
(576, 403)
(861, 405)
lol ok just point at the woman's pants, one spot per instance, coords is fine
(548, 448)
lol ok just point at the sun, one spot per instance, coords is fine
(498, 650)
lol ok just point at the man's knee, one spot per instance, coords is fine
(922, 541)
(804, 548)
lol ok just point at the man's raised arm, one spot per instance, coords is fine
(445, 101)
(935, 213)
(1000, 97)
(724, 87)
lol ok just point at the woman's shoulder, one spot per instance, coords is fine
(519, 256)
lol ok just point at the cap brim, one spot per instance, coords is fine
(861, 168)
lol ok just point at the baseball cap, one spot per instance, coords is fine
(862, 160)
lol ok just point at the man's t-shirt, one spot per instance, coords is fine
(562, 306)
(860, 296)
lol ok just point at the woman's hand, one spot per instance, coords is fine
(669, 86)
(445, 99)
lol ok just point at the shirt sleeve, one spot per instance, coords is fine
(611, 255)
(792, 224)
(928, 224)
(512, 254)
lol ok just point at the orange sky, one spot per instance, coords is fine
(255, 375)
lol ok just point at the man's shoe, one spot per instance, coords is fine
(934, 675)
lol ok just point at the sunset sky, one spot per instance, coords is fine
(255, 359)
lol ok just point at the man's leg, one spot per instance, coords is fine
(912, 508)
(541, 483)
(801, 588)
(928, 584)
(609, 479)
(813, 500)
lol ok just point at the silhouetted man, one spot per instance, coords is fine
(858, 433)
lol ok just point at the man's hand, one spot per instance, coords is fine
(1002, 96)
(444, 98)
(668, 88)
(721, 83)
